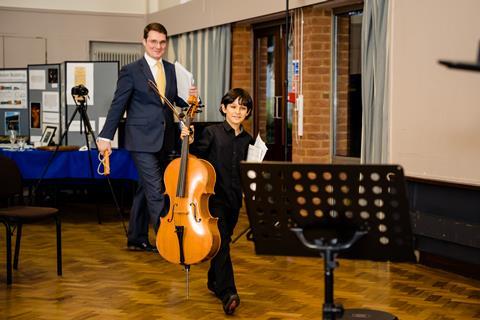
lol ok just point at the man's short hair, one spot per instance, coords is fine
(155, 26)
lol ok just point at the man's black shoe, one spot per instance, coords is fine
(230, 302)
(144, 246)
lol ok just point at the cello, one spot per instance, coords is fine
(188, 234)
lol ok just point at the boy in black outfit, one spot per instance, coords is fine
(224, 146)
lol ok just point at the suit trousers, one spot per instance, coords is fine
(220, 274)
(149, 203)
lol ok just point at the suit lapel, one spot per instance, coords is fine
(148, 76)
(168, 75)
(146, 70)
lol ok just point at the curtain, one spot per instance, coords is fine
(375, 73)
(207, 54)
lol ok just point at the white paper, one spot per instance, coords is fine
(13, 95)
(75, 126)
(36, 79)
(34, 139)
(257, 152)
(50, 101)
(51, 117)
(184, 81)
(13, 75)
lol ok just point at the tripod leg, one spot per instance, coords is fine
(247, 229)
(45, 169)
(89, 132)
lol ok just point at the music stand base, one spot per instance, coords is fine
(362, 314)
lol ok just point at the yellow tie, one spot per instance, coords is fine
(160, 78)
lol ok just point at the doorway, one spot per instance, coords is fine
(269, 91)
(347, 84)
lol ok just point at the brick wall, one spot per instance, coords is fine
(242, 48)
(314, 146)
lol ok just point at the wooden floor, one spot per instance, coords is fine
(102, 280)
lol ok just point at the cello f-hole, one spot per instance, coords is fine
(173, 213)
(195, 212)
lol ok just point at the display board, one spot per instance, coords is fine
(13, 101)
(100, 78)
(44, 100)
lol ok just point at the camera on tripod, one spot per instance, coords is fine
(80, 90)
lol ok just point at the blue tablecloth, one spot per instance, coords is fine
(71, 164)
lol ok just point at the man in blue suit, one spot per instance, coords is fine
(150, 130)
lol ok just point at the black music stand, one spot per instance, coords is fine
(329, 208)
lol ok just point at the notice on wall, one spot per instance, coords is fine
(50, 101)
(13, 75)
(36, 79)
(13, 95)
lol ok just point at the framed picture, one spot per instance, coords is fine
(47, 135)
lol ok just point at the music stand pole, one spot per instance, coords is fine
(331, 311)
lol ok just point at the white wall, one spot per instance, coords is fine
(435, 111)
(200, 14)
(110, 6)
(68, 33)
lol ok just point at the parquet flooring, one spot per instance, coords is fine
(102, 280)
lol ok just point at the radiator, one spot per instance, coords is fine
(122, 57)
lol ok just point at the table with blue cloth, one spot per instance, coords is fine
(72, 169)
(70, 164)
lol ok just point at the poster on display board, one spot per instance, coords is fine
(100, 78)
(80, 73)
(44, 100)
(13, 101)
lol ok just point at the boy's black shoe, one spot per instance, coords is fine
(230, 302)
(144, 246)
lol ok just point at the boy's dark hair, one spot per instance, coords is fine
(243, 96)
(155, 27)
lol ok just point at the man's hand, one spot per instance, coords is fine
(104, 146)
(193, 91)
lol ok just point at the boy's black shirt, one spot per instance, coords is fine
(219, 146)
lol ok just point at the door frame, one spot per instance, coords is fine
(277, 28)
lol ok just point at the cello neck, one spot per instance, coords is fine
(183, 164)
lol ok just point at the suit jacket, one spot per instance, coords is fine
(149, 126)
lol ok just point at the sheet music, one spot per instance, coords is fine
(184, 80)
(257, 152)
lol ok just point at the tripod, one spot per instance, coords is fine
(81, 109)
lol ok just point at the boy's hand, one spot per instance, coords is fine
(187, 132)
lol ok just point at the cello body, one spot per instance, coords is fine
(188, 229)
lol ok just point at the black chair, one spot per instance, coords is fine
(15, 216)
